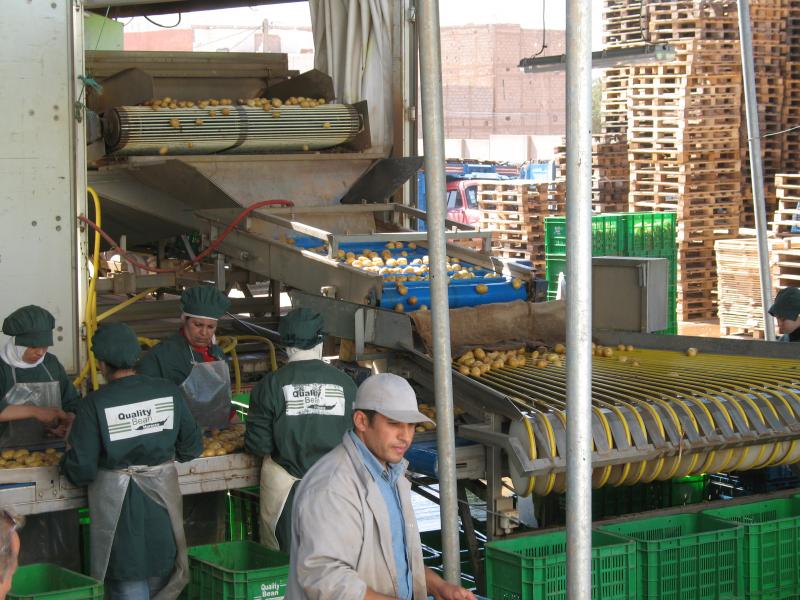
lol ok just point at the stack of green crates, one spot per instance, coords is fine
(46, 581)
(243, 510)
(534, 567)
(685, 557)
(651, 235)
(771, 556)
(236, 571)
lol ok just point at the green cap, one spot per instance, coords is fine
(204, 301)
(116, 345)
(31, 326)
(301, 328)
(787, 304)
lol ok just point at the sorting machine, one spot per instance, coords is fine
(342, 248)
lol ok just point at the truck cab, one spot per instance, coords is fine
(462, 201)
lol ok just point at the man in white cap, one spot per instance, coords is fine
(354, 534)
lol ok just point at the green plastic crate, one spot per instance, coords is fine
(51, 582)
(237, 571)
(243, 511)
(535, 567)
(688, 490)
(650, 234)
(771, 554)
(685, 557)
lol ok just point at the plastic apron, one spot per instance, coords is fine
(29, 432)
(276, 483)
(106, 496)
(207, 391)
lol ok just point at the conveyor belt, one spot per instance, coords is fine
(684, 415)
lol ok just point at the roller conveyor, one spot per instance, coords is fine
(658, 414)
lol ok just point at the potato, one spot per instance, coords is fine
(399, 308)
(516, 284)
(466, 356)
(621, 347)
(7, 454)
(481, 288)
(634, 363)
(21, 453)
(629, 348)
(691, 352)
(541, 363)
(608, 352)
(479, 353)
(623, 359)
(559, 349)
(498, 364)
(475, 372)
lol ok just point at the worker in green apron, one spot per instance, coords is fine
(35, 392)
(786, 310)
(192, 360)
(296, 415)
(34, 388)
(123, 444)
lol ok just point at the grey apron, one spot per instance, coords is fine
(29, 432)
(106, 496)
(207, 391)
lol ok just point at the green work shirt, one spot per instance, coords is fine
(143, 544)
(298, 413)
(172, 359)
(39, 374)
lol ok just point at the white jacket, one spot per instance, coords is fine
(341, 537)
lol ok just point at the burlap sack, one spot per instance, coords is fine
(502, 325)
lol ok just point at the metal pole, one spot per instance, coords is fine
(433, 135)
(579, 300)
(756, 166)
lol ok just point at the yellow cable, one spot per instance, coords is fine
(237, 375)
(258, 338)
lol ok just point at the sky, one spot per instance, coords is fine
(527, 13)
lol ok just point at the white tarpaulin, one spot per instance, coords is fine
(353, 44)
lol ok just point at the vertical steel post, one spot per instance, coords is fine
(433, 136)
(756, 165)
(579, 300)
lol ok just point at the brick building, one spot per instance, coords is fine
(486, 94)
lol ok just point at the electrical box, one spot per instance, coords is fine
(629, 294)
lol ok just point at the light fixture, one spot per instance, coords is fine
(603, 59)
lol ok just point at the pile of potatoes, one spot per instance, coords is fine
(478, 362)
(223, 441)
(22, 458)
(267, 104)
(430, 412)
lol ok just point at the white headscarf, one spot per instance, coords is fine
(11, 354)
(296, 354)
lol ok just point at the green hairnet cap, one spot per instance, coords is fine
(787, 304)
(31, 326)
(204, 301)
(116, 345)
(301, 328)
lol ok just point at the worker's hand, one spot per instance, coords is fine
(62, 429)
(442, 590)
(49, 417)
(448, 591)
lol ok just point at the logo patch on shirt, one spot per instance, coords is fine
(314, 399)
(141, 418)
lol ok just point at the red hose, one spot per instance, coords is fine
(211, 247)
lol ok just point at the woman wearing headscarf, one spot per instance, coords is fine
(35, 391)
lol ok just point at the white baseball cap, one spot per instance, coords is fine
(391, 396)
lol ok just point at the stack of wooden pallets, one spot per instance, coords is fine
(791, 86)
(610, 173)
(514, 211)
(740, 308)
(768, 19)
(786, 221)
(684, 120)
